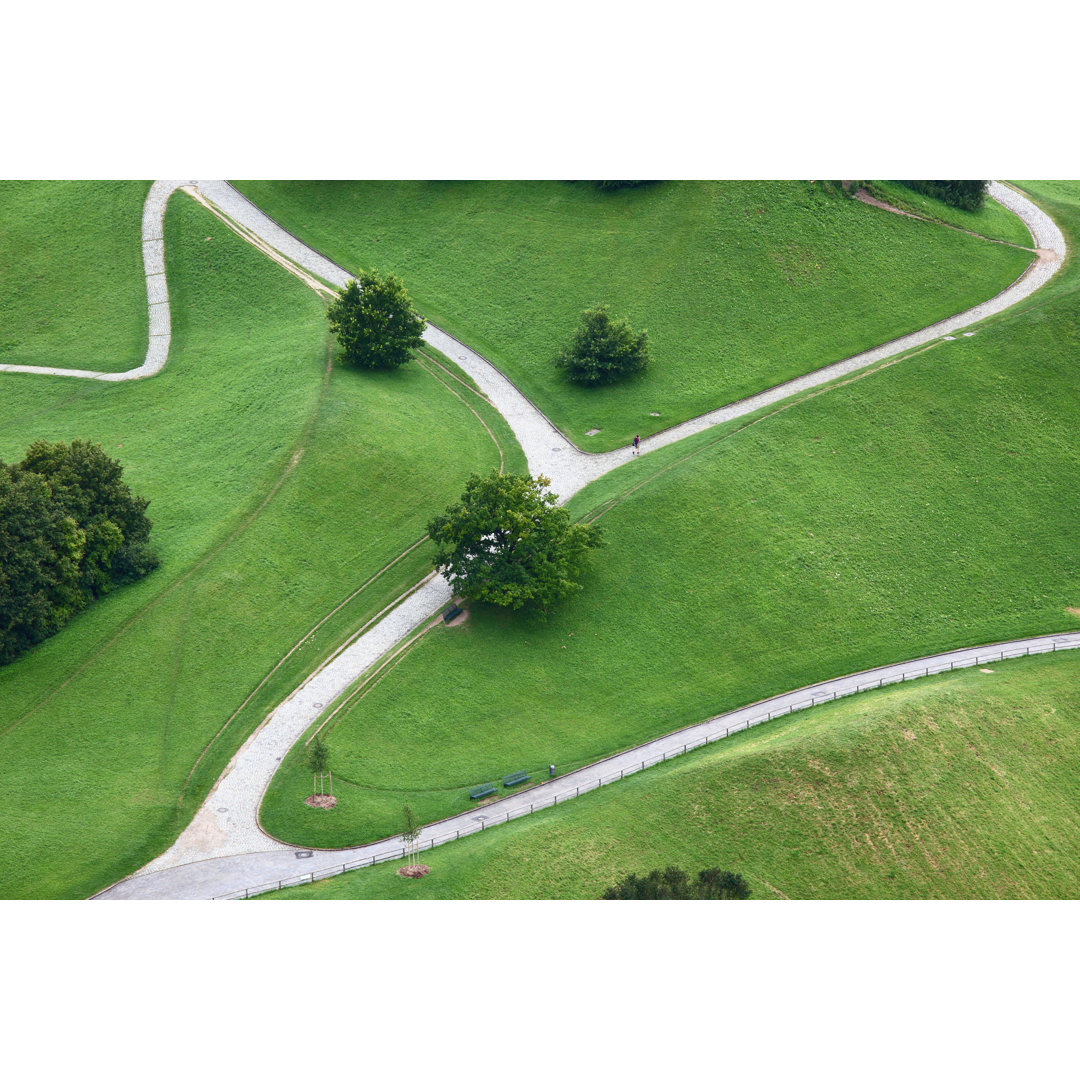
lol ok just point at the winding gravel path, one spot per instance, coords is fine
(273, 864)
(223, 850)
(547, 450)
(157, 296)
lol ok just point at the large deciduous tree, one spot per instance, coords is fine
(603, 349)
(374, 321)
(506, 542)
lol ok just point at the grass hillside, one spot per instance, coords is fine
(278, 488)
(991, 220)
(72, 284)
(740, 285)
(930, 504)
(958, 786)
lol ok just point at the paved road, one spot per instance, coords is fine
(233, 875)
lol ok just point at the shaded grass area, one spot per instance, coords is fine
(278, 489)
(932, 504)
(741, 285)
(958, 786)
(72, 284)
(992, 220)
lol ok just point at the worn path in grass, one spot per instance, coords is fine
(227, 824)
(257, 870)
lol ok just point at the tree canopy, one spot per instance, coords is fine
(374, 321)
(70, 530)
(673, 884)
(506, 542)
(603, 349)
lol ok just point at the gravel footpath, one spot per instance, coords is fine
(237, 875)
(547, 450)
(157, 296)
(223, 848)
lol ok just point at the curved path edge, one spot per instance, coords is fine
(157, 296)
(547, 450)
(242, 875)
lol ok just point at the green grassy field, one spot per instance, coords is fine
(992, 220)
(72, 285)
(959, 786)
(740, 285)
(278, 489)
(932, 504)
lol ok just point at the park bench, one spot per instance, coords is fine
(515, 778)
(451, 613)
(481, 790)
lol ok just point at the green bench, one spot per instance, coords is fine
(481, 790)
(515, 778)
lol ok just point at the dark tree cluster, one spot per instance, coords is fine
(70, 530)
(617, 185)
(965, 194)
(673, 884)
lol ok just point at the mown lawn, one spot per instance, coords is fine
(72, 284)
(931, 504)
(278, 488)
(958, 786)
(741, 285)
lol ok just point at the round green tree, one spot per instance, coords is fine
(374, 322)
(506, 542)
(603, 349)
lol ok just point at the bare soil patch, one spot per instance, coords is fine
(323, 802)
(864, 196)
(1073, 611)
(417, 871)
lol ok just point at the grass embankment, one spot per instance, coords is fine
(991, 220)
(929, 505)
(72, 284)
(959, 786)
(741, 285)
(277, 490)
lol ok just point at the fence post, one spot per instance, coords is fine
(312, 877)
(245, 894)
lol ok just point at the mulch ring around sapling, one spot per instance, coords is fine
(323, 802)
(417, 871)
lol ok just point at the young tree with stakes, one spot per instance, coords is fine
(318, 760)
(411, 834)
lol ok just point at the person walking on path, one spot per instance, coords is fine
(637, 443)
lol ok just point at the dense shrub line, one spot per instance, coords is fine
(70, 530)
